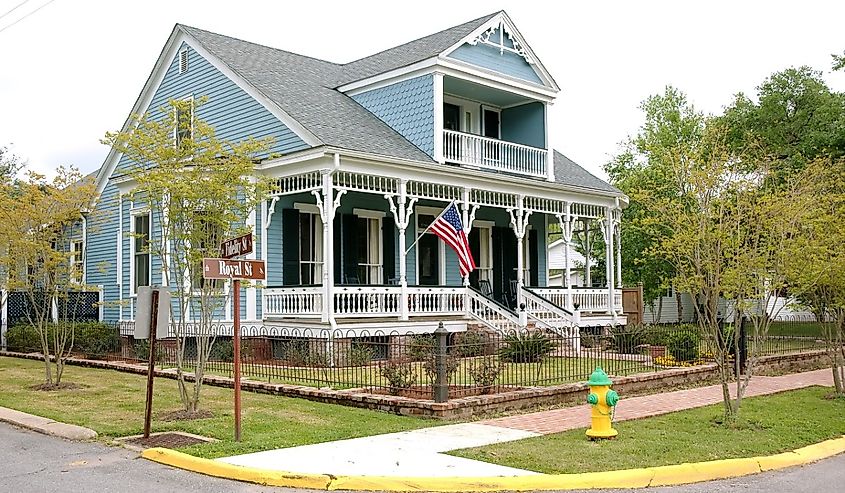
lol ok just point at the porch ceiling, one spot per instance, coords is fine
(477, 92)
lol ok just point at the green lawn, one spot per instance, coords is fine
(112, 403)
(772, 424)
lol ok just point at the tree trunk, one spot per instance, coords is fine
(680, 305)
(659, 310)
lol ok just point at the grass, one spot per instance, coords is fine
(771, 424)
(112, 404)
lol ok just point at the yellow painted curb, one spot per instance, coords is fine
(627, 478)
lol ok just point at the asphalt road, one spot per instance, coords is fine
(31, 462)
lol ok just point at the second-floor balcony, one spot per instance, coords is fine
(494, 154)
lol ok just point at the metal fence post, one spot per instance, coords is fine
(441, 384)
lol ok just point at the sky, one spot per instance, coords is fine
(71, 70)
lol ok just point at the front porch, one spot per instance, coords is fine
(345, 246)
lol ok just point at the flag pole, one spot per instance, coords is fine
(429, 226)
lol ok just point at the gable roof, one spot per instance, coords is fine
(305, 90)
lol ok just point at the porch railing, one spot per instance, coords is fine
(491, 313)
(475, 150)
(588, 299)
(294, 301)
(436, 301)
(366, 301)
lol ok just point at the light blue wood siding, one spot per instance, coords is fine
(233, 113)
(100, 252)
(274, 242)
(525, 124)
(408, 107)
(489, 57)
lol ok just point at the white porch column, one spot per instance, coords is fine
(402, 218)
(618, 229)
(251, 292)
(588, 281)
(438, 118)
(550, 151)
(567, 222)
(519, 223)
(328, 203)
(607, 231)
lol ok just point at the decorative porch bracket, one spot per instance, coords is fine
(567, 223)
(327, 203)
(519, 223)
(402, 218)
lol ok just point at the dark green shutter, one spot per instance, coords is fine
(475, 249)
(337, 245)
(290, 247)
(498, 277)
(350, 247)
(388, 251)
(534, 260)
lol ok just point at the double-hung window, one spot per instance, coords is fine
(184, 120)
(310, 248)
(76, 261)
(205, 239)
(141, 250)
(369, 250)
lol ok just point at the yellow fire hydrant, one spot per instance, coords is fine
(603, 400)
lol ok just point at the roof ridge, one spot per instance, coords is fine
(485, 17)
(339, 65)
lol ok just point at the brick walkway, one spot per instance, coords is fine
(558, 420)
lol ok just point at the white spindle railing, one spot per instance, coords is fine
(589, 300)
(491, 313)
(436, 301)
(366, 301)
(547, 312)
(294, 302)
(475, 150)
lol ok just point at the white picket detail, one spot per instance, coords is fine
(484, 152)
(436, 301)
(294, 302)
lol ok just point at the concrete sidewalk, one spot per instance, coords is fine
(45, 425)
(420, 452)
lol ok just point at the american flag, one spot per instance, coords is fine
(449, 227)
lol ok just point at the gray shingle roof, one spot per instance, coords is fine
(568, 172)
(305, 88)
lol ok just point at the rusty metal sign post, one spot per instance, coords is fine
(152, 320)
(235, 270)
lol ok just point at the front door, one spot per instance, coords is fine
(428, 254)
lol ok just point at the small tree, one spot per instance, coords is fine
(816, 272)
(37, 217)
(199, 190)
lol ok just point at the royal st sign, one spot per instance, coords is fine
(221, 268)
(236, 246)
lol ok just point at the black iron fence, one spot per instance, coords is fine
(416, 365)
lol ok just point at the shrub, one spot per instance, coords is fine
(452, 363)
(142, 351)
(92, 339)
(526, 348)
(23, 338)
(360, 353)
(421, 345)
(470, 343)
(299, 353)
(399, 375)
(683, 344)
(223, 350)
(627, 339)
(484, 373)
(96, 340)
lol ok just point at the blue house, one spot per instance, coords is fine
(366, 155)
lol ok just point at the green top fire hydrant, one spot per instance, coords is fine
(603, 401)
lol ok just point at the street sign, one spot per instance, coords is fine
(221, 268)
(143, 312)
(235, 247)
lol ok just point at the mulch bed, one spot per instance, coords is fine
(166, 440)
(51, 387)
(182, 415)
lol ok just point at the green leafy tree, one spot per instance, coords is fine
(795, 118)
(816, 274)
(646, 168)
(36, 216)
(199, 190)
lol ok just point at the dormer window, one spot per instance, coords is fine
(183, 61)
(184, 121)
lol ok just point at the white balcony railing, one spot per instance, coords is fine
(588, 299)
(499, 155)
